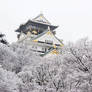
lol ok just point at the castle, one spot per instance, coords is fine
(39, 33)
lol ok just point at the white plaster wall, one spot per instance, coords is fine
(48, 37)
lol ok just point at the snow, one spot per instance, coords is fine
(22, 70)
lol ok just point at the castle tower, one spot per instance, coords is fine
(39, 34)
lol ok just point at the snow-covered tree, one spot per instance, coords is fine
(25, 56)
(8, 58)
(9, 82)
(78, 59)
(69, 72)
(2, 39)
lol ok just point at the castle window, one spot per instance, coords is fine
(43, 49)
(48, 42)
(34, 47)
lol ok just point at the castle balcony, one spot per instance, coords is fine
(43, 44)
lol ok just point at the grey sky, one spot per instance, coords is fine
(74, 17)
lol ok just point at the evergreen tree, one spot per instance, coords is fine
(2, 40)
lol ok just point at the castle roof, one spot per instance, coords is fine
(40, 21)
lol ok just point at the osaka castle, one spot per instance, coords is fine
(39, 35)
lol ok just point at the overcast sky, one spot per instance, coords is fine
(74, 17)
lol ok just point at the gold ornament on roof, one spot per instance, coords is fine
(35, 32)
(35, 40)
(54, 46)
(55, 52)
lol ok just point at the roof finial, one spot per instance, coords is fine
(41, 12)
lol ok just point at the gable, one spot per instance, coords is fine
(40, 18)
(48, 36)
